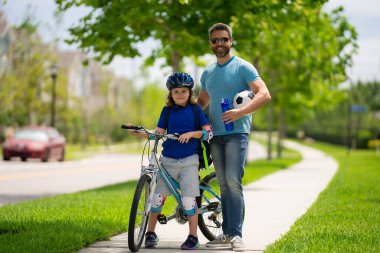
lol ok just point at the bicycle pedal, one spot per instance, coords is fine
(212, 206)
(162, 219)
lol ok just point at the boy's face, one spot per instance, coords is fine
(180, 96)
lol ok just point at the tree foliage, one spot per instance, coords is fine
(25, 83)
(115, 27)
(303, 54)
(339, 125)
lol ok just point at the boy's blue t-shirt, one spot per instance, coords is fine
(224, 81)
(181, 120)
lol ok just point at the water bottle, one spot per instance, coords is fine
(225, 107)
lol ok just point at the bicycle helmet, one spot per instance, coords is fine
(179, 80)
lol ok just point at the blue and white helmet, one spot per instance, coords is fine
(179, 80)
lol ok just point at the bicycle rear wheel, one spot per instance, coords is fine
(210, 222)
(138, 218)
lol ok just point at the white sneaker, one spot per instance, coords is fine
(221, 241)
(237, 244)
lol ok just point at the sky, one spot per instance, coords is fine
(364, 15)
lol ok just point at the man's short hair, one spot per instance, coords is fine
(220, 26)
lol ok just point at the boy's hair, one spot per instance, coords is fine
(220, 26)
(170, 100)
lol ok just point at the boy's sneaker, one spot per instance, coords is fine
(237, 244)
(190, 243)
(151, 239)
(221, 241)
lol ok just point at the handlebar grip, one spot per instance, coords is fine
(131, 127)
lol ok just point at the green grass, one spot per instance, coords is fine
(76, 151)
(346, 215)
(67, 223)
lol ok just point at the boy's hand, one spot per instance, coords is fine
(137, 134)
(184, 138)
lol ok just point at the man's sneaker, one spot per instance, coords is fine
(221, 241)
(151, 239)
(190, 243)
(237, 244)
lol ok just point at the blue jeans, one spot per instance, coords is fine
(228, 154)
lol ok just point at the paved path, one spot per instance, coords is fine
(273, 204)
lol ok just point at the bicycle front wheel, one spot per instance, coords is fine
(210, 222)
(138, 218)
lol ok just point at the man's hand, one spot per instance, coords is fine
(232, 115)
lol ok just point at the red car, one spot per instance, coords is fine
(35, 142)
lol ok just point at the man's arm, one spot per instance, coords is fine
(203, 99)
(262, 97)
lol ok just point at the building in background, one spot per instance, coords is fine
(90, 82)
(6, 37)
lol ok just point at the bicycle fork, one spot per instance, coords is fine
(150, 171)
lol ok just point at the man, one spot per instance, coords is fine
(223, 79)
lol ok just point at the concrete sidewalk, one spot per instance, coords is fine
(273, 204)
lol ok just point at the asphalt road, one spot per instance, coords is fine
(20, 181)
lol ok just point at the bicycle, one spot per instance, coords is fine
(209, 202)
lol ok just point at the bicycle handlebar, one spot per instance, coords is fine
(130, 127)
(140, 129)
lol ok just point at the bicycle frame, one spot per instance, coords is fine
(155, 167)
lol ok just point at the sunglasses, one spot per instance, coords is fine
(223, 40)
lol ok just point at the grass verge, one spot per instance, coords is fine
(346, 215)
(76, 151)
(67, 223)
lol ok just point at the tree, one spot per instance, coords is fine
(366, 94)
(303, 55)
(26, 82)
(115, 27)
(342, 126)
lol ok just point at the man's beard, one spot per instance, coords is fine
(221, 54)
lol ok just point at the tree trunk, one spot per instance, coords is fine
(270, 130)
(281, 132)
(84, 136)
(175, 60)
(175, 57)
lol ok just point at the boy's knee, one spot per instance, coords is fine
(157, 202)
(190, 205)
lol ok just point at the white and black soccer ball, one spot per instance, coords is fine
(242, 98)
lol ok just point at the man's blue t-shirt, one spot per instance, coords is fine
(181, 120)
(224, 81)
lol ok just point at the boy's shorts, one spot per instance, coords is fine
(184, 171)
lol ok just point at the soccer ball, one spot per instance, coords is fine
(242, 98)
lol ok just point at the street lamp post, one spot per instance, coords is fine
(54, 74)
